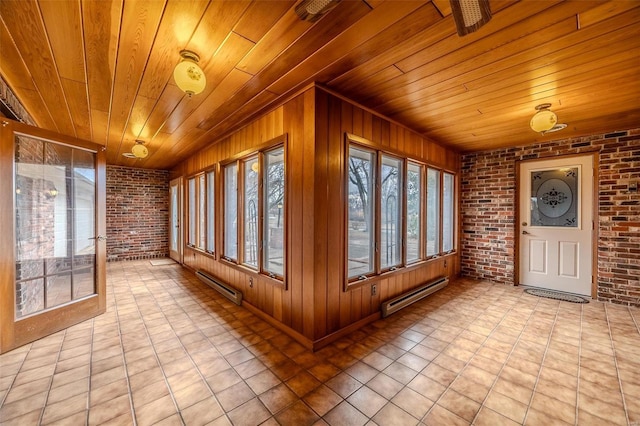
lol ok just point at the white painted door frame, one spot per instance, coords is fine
(557, 257)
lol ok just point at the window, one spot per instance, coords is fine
(211, 225)
(201, 205)
(398, 211)
(250, 202)
(274, 212)
(361, 199)
(414, 211)
(433, 212)
(193, 223)
(448, 211)
(390, 212)
(255, 187)
(231, 211)
(202, 216)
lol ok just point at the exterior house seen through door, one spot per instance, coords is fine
(556, 224)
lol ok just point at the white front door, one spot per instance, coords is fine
(175, 228)
(556, 224)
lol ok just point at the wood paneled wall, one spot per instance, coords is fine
(335, 308)
(314, 306)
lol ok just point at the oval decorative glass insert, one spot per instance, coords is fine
(554, 198)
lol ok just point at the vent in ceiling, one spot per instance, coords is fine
(312, 10)
(469, 15)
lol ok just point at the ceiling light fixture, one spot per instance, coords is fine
(544, 120)
(470, 15)
(188, 75)
(558, 126)
(138, 151)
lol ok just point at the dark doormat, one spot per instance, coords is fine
(550, 294)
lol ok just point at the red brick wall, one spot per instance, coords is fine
(488, 211)
(137, 213)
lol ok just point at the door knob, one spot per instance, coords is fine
(525, 233)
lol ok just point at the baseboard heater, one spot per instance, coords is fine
(224, 289)
(397, 303)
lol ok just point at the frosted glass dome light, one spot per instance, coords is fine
(544, 119)
(188, 75)
(139, 150)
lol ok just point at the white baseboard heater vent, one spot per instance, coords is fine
(224, 289)
(397, 303)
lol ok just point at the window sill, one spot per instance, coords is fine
(202, 252)
(373, 279)
(254, 273)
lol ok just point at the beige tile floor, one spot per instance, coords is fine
(170, 350)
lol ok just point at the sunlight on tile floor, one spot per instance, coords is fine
(170, 350)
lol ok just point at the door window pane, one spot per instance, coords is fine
(55, 224)
(274, 212)
(84, 189)
(211, 227)
(391, 212)
(554, 197)
(83, 282)
(448, 219)
(231, 211)
(433, 212)
(360, 232)
(414, 227)
(251, 212)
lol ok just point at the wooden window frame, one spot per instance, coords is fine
(373, 245)
(264, 212)
(201, 204)
(438, 240)
(240, 161)
(210, 198)
(378, 152)
(421, 211)
(223, 174)
(379, 210)
(453, 213)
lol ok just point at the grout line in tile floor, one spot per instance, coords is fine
(124, 363)
(170, 350)
(506, 360)
(468, 363)
(181, 346)
(50, 382)
(544, 355)
(615, 360)
(577, 412)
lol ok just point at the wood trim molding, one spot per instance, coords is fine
(327, 340)
(7, 240)
(312, 345)
(303, 340)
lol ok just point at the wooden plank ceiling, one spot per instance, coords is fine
(102, 70)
